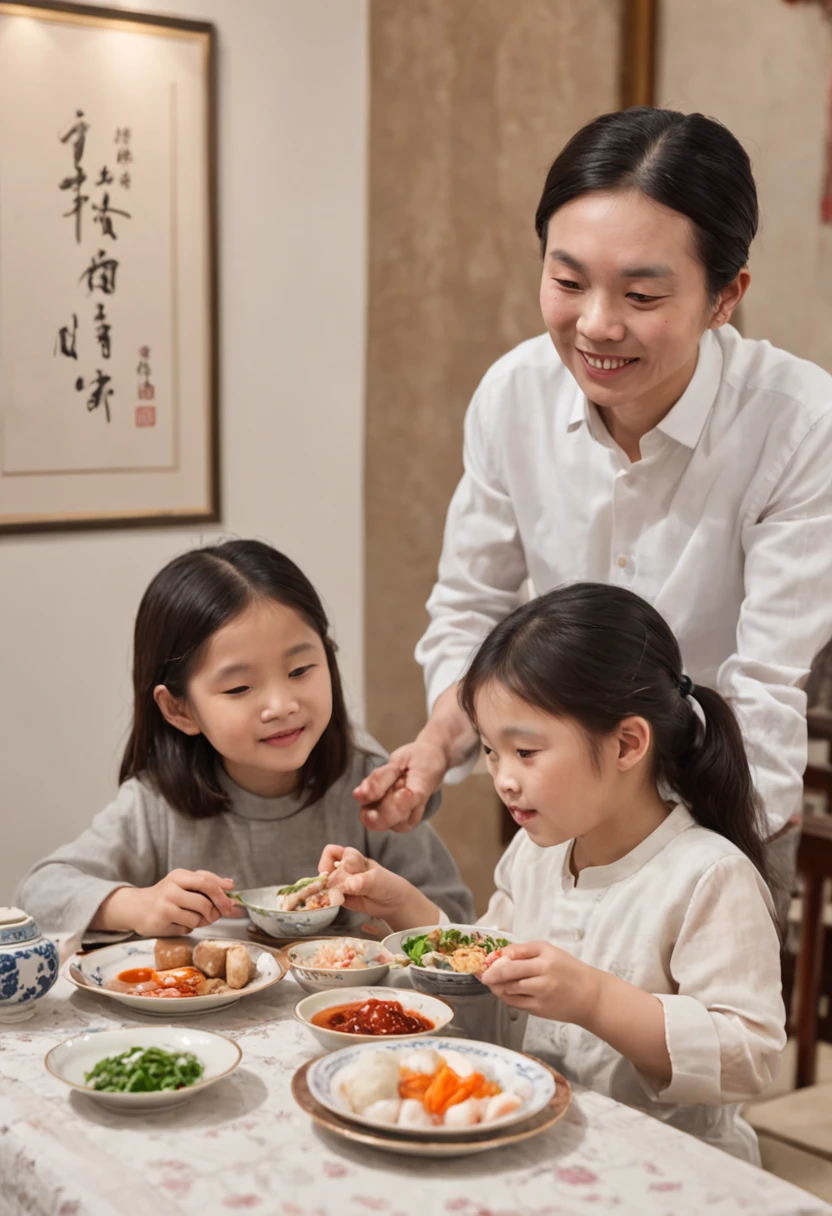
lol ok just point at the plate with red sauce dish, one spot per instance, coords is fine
(371, 1015)
(130, 974)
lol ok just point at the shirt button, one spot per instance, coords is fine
(621, 561)
(579, 935)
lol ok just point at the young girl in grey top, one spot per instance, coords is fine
(240, 764)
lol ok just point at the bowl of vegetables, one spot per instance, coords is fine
(448, 960)
(140, 1068)
(300, 909)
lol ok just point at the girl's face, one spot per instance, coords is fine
(262, 696)
(543, 767)
(624, 298)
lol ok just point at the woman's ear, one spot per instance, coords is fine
(635, 736)
(175, 710)
(729, 298)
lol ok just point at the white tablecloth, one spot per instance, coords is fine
(244, 1145)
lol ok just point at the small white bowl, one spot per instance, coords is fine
(428, 1006)
(259, 902)
(436, 980)
(323, 979)
(68, 1061)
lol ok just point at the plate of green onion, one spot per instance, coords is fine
(143, 1067)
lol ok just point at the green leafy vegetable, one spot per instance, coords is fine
(145, 1070)
(446, 941)
(297, 886)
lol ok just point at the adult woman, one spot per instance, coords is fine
(642, 442)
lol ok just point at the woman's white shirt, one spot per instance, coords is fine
(687, 917)
(725, 525)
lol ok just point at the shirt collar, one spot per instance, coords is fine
(685, 422)
(596, 877)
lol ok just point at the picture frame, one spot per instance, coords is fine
(109, 402)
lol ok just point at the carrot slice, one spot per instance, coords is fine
(444, 1083)
(464, 1089)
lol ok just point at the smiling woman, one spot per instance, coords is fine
(642, 442)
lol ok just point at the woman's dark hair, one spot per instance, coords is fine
(598, 654)
(687, 162)
(185, 604)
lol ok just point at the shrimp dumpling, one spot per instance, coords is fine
(464, 1114)
(384, 1111)
(368, 1080)
(462, 1065)
(501, 1105)
(423, 1059)
(413, 1114)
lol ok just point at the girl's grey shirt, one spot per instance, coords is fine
(258, 842)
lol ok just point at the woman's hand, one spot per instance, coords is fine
(371, 889)
(541, 979)
(182, 901)
(395, 795)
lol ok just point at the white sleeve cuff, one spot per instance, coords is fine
(694, 1049)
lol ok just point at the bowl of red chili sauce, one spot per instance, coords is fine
(368, 1015)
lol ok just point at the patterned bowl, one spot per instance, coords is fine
(322, 979)
(438, 981)
(259, 902)
(28, 965)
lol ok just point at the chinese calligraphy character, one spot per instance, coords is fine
(124, 156)
(125, 179)
(100, 394)
(102, 331)
(101, 274)
(66, 338)
(105, 211)
(77, 135)
(105, 178)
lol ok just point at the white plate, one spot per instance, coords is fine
(322, 979)
(89, 970)
(260, 903)
(78, 1055)
(511, 1070)
(429, 1007)
(437, 980)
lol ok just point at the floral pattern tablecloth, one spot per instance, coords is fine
(244, 1146)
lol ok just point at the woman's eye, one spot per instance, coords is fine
(524, 753)
(569, 284)
(300, 671)
(642, 299)
(232, 692)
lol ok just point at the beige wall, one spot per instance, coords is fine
(292, 105)
(763, 68)
(470, 102)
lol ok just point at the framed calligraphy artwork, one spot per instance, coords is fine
(108, 293)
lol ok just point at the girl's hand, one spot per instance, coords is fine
(371, 889)
(184, 900)
(543, 980)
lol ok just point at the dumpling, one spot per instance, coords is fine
(370, 1079)
(464, 1114)
(501, 1105)
(209, 957)
(385, 1111)
(239, 966)
(423, 1059)
(462, 1065)
(413, 1114)
(172, 952)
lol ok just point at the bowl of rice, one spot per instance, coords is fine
(338, 962)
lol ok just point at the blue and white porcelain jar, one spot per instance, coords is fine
(28, 965)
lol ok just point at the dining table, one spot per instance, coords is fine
(244, 1145)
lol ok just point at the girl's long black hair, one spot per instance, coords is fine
(598, 654)
(186, 603)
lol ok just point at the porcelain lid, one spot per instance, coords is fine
(13, 916)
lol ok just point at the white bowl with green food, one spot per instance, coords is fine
(139, 1068)
(446, 960)
(283, 911)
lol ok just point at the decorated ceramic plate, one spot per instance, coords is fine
(99, 972)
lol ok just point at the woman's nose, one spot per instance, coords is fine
(599, 321)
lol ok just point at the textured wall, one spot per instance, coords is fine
(470, 100)
(763, 67)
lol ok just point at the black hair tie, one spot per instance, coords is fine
(686, 686)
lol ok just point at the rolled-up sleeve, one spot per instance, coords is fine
(785, 620)
(725, 1026)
